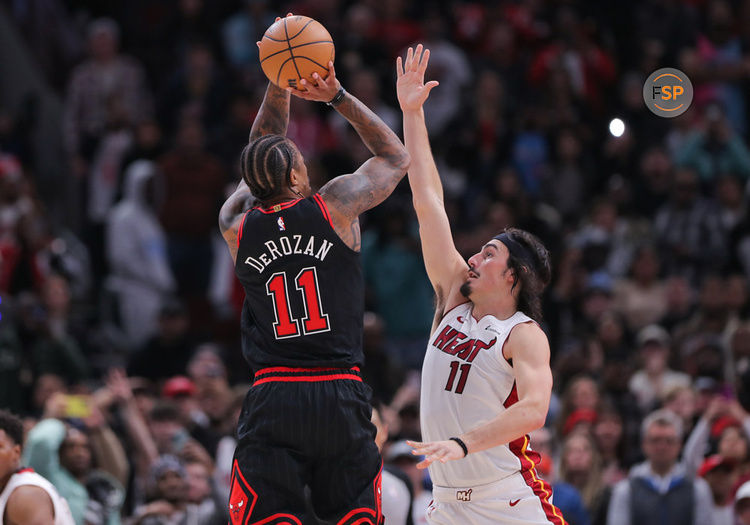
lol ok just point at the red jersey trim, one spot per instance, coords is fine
(277, 207)
(239, 232)
(306, 379)
(277, 369)
(359, 513)
(279, 516)
(324, 208)
(540, 488)
(528, 468)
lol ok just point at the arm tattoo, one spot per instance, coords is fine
(273, 116)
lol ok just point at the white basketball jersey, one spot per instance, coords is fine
(466, 381)
(29, 477)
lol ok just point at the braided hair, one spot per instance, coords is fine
(266, 163)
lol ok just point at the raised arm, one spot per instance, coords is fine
(445, 266)
(273, 118)
(348, 196)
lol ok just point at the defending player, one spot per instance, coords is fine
(306, 419)
(486, 379)
(26, 498)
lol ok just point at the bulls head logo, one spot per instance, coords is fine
(242, 497)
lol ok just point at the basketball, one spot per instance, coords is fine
(294, 48)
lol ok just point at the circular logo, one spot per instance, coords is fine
(668, 92)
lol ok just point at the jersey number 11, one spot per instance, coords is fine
(286, 326)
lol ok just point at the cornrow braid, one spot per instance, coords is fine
(266, 163)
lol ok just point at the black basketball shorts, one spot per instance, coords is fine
(306, 427)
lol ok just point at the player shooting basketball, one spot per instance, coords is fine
(306, 419)
(486, 379)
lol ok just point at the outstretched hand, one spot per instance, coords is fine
(319, 89)
(436, 451)
(410, 86)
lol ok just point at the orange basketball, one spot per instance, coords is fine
(294, 48)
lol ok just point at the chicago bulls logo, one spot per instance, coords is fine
(242, 497)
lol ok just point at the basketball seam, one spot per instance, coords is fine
(272, 38)
(298, 45)
(291, 52)
(300, 31)
(313, 61)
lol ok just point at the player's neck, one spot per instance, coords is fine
(501, 308)
(286, 196)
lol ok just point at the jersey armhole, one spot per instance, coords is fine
(242, 223)
(324, 209)
(502, 350)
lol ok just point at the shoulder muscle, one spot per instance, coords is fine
(30, 505)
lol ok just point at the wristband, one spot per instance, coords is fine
(337, 98)
(460, 444)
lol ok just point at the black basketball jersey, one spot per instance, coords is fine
(304, 288)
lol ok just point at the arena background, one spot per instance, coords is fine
(120, 129)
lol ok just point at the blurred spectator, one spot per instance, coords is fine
(399, 455)
(719, 474)
(730, 198)
(194, 181)
(659, 491)
(689, 229)
(382, 373)
(581, 467)
(147, 144)
(201, 492)
(141, 278)
(716, 63)
(567, 497)
(608, 433)
(169, 501)
(241, 31)
(397, 498)
(742, 504)
(68, 454)
(106, 83)
(402, 294)
(56, 350)
(449, 66)
(214, 396)
(715, 150)
(655, 378)
(579, 402)
(167, 353)
(682, 401)
(182, 391)
(642, 297)
(725, 424)
(196, 91)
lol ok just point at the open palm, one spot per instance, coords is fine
(410, 86)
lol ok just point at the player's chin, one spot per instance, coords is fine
(466, 289)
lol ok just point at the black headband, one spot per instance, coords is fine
(517, 250)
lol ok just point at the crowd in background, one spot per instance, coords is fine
(121, 317)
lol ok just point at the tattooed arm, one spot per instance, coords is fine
(348, 196)
(273, 117)
(231, 214)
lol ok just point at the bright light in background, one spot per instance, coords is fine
(616, 127)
